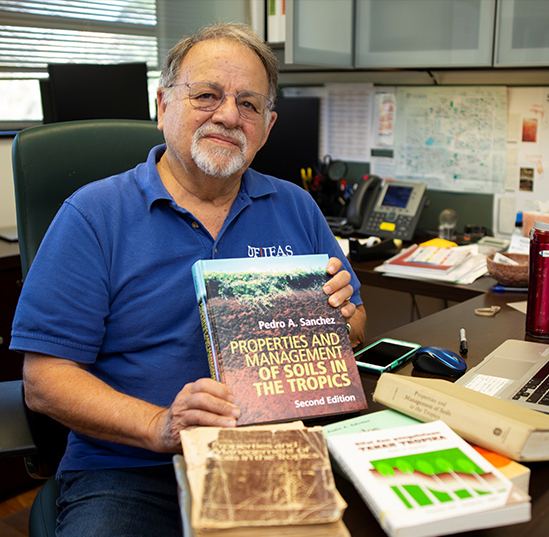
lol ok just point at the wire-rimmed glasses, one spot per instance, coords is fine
(209, 97)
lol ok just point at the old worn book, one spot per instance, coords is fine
(501, 426)
(424, 480)
(262, 480)
(274, 339)
(388, 419)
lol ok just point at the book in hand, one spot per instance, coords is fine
(274, 339)
(258, 481)
(424, 480)
(501, 426)
(388, 419)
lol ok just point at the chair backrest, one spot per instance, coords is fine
(50, 162)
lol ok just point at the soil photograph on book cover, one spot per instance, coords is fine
(283, 349)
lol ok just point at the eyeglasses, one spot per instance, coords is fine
(209, 97)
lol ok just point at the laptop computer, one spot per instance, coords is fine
(517, 371)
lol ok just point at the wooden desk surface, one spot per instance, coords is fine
(447, 291)
(484, 334)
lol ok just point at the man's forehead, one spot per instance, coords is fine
(213, 57)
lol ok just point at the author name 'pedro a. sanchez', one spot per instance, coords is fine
(314, 321)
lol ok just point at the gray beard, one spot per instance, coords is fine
(219, 162)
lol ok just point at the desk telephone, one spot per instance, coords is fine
(386, 209)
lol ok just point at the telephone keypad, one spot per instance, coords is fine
(373, 225)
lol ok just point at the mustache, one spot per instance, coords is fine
(235, 135)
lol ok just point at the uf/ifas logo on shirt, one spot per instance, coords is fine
(270, 251)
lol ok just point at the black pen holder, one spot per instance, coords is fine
(382, 250)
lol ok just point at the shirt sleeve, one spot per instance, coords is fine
(65, 297)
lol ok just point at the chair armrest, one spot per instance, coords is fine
(16, 438)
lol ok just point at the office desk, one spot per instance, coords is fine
(484, 334)
(446, 291)
(13, 472)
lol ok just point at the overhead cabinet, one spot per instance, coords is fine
(423, 33)
(320, 32)
(379, 34)
(522, 33)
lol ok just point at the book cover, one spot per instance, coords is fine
(261, 480)
(429, 257)
(501, 426)
(388, 419)
(274, 339)
(424, 480)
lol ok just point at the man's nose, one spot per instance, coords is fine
(227, 112)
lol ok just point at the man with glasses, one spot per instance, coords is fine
(108, 317)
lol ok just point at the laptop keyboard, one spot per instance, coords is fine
(536, 390)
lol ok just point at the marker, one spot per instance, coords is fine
(463, 349)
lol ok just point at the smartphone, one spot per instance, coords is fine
(384, 355)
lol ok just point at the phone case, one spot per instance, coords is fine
(410, 349)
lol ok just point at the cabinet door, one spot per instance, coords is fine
(424, 33)
(522, 33)
(319, 32)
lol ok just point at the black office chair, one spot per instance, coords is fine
(50, 162)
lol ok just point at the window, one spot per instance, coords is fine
(34, 33)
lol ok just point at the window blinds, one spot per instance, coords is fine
(34, 33)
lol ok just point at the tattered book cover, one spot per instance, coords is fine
(260, 476)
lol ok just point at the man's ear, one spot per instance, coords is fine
(274, 115)
(161, 107)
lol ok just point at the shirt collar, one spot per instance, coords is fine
(148, 179)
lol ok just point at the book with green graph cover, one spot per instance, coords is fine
(274, 339)
(387, 419)
(424, 480)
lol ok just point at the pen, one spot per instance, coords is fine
(463, 341)
(503, 288)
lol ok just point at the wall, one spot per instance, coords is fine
(7, 196)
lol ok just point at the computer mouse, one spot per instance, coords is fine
(439, 361)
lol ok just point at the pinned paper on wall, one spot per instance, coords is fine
(527, 178)
(347, 111)
(346, 118)
(452, 138)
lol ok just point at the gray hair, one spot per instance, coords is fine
(242, 33)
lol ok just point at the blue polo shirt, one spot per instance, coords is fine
(111, 285)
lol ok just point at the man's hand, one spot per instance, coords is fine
(205, 402)
(339, 290)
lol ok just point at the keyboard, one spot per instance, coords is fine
(536, 390)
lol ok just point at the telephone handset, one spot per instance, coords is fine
(363, 200)
(386, 209)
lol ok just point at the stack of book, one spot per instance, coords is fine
(273, 338)
(423, 480)
(389, 419)
(460, 264)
